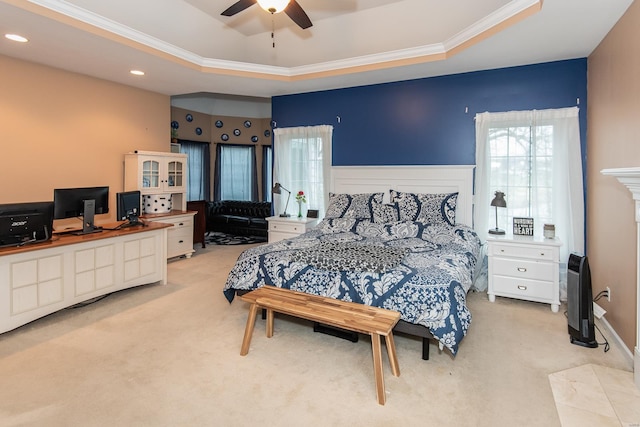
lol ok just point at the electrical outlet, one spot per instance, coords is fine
(608, 294)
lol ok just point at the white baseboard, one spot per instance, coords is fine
(618, 341)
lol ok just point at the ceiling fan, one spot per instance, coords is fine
(290, 7)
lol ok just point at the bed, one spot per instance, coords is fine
(393, 237)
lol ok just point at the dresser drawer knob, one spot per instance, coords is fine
(181, 241)
(541, 253)
(522, 287)
(182, 223)
(522, 269)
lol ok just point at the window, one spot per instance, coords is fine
(198, 158)
(235, 172)
(302, 162)
(267, 170)
(521, 166)
(534, 157)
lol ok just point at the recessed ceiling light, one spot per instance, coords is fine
(16, 38)
(137, 72)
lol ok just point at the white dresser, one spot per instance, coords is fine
(524, 267)
(285, 227)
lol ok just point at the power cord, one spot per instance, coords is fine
(602, 294)
(605, 344)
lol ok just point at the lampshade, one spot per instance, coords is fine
(499, 200)
(273, 6)
(276, 188)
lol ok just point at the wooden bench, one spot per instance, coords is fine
(360, 318)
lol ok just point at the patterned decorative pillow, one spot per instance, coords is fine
(392, 230)
(428, 208)
(337, 225)
(358, 206)
(383, 214)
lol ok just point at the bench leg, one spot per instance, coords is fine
(393, 356)
(248, 330)
(269, 323)
(376, 348)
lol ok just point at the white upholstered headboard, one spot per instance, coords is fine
(413, 179)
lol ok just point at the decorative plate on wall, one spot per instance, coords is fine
(236, 132)
(267, 133)
(175, 125)
(219, 123)
(247, 123)
(189, 117)
(254, 138)
(225, 137)
(198, 131)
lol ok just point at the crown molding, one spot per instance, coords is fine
(512, 12)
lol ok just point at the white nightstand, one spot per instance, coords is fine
(524, 267)
(285, 227)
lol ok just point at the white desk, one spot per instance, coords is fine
(40, 279)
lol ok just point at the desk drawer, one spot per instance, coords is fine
(177, 222)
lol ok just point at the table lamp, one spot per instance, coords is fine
(498, 202)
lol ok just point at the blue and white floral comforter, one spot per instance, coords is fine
(428, 287)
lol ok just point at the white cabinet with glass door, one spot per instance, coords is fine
(157, 173)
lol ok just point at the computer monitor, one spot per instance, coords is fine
(22, 223)
(128, 204)
(82, 202)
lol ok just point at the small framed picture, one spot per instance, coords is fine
(312, 213)
(522, 226)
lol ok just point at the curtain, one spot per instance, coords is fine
(198, 155)
(235, 173)
(302, 162)
(556, 185)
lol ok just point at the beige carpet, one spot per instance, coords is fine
(169, 356)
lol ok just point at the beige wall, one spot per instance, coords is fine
(211, 133)
(61, 129)
(613, 140)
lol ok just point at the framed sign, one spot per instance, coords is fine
(522, 226)
(312, 213)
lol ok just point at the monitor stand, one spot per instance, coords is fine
(88, 214)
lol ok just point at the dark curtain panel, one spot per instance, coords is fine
(267, 172)
(199, 155)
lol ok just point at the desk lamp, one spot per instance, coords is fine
(277, 189)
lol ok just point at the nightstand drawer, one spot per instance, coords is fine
(286, 227)
(534, 290)
(525, 251)
(522, 268)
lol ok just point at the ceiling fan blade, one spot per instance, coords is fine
(295, 12)
(238, 7)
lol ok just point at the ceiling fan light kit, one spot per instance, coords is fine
(290, 7)
(273, 6)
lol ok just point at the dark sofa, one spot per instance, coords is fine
(238, 217)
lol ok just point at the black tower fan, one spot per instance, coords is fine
(580, 302)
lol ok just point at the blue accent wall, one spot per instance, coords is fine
(424, 121)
